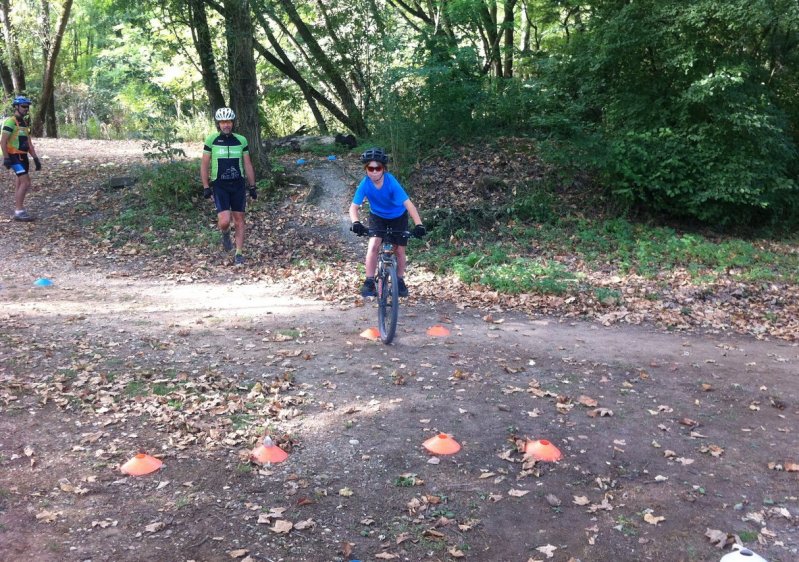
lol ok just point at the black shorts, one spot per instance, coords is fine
(397, 225)
(20, 164)
(230, 196)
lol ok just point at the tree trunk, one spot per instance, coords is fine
(50, 121)
(5, 77)
(202, 42)
(242, 79)
(507, 24)
(46, 102)
(12, 50)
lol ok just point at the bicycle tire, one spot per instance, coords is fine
(387, 303)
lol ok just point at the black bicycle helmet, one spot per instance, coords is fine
(375, 155)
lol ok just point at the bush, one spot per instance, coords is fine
(174, 186)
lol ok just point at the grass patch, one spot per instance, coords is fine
(519, 247)
(135, 388)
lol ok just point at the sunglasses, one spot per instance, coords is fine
(375, 168)
(25, 106)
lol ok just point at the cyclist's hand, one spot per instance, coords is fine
(419, 231)
(37, 163)
(7, 163)
(359, 229)
(252, 191)
(207, 192)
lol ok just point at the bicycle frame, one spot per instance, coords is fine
(386, 282)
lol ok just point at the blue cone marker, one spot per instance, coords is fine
(331, 157)
(42, 282)
(301, 161)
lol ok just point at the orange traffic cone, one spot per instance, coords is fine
(437, 331)
(141, 464)
(542, 450)
(267, 452)
(371, 334)
(442, 444)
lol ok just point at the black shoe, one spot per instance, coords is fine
(22, 216)
(227, 244)
(238, 260)
(403, 290)
(368, 288)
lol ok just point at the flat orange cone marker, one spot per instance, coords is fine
(442, 444)
(437, 331)
(542, 450)
(267, 452)
(141, 464)
(371, 334)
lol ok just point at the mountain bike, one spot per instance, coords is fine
(386, 284)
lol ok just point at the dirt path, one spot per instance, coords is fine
(106, 362)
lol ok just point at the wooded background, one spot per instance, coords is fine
(685, 108)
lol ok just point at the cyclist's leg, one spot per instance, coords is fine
(238, 222)
(371, 255)
(222, 202)
(22, 181)
(238, 204)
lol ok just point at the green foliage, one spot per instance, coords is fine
(173, 186)
(681, 108)
(161, 138)
(513, 274)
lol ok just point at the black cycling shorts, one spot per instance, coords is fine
(398, 225)
(20, 164)
(230, 196)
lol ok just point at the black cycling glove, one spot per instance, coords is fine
(419, 231)
(359, 229)
(37, 163)
(207, 192)
(253, 191)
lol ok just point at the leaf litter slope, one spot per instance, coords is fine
(666, 437)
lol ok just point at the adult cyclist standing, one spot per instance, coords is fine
(17, 145)
(225, 162)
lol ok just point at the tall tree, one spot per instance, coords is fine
(201, 35)
(328, 69)
(13, 57)
(46, 110)
(242, 78)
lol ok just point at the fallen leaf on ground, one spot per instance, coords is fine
(282, 526)
(653, 519)
(547, 549)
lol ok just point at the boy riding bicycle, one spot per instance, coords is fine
(390, 207)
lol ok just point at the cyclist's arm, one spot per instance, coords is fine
(248, 169)
(4, 143)
(31, 149)
(411, 208)
(354, 212)
(205, 169)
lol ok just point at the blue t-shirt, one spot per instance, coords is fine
(387, 202)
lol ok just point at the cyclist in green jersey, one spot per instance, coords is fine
(17, 145)
(225, 162)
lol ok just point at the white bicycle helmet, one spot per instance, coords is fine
(224, 114)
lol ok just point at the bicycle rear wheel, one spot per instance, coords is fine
(387, 302)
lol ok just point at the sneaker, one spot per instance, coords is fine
(403, 290)
(239, 259)
(227, 244)
(368, 289)
(22, 216)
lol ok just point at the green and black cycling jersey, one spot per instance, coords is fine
(227, 156)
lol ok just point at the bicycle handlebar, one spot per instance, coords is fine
(383, 233)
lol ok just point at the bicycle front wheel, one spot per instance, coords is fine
(387, 303)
